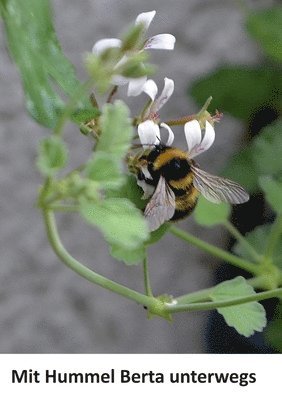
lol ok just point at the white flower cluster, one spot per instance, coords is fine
(149, 128)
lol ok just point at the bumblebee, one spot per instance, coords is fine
(173, 182)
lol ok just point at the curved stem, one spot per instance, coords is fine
(87, 273)
(211, 305)
(148, 289)
(215, 251)
(241, 239)
(273, 237)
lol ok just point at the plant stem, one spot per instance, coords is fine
(273, 237)
(205, 294)
(215, 251)
(153, 304)
(112, 93)
(64, 207)
(200, 295)
(241, 239)
(148, 289)
(181, 120)
(211, 305)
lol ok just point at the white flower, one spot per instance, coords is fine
(149, 130)
(197, 143)
(149, 134)
(151, 89)
(163, 41)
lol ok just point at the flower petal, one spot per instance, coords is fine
(193, 136)
(135, 86)
(105, 44)
(149, 133)
(119, 80)
(147, 189)
(164, 96)
(164, 41)
(170, 134)
(208, 138)
(150, 88)
(145, 18)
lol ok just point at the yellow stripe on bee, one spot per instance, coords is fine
(188, 200)
(182, 183)
(165, 157)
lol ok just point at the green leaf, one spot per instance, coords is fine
(261, 157)
(273, 330)
(129, 257)
(265, 27)
(267, 150)
(258, 239)
(246, 318)
(116, 128)
(273, 192)
(35, 49)
(209, 214)
(120, 222)
(104, 169)
(239, 90)
(52, 155)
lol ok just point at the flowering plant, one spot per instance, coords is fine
(101, 191)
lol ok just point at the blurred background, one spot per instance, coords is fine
(45, 307)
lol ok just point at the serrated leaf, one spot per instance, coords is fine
(120, 222)
(129, 257)
(239, 90)
(35, 49)
(52, 155)
(265, 27)
(209, 214)
(258, 239)
(105, 170)
(246, 318)
(116, 130)
(272, 191)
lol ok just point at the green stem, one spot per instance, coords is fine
(205, 107)
(200, 295)
(112, 93)
(215, 251)
(148, 289)
(181, 120)
(242, 240)
(151, 303)
(172, 308)
(274, 237)
(205, 294)
(64, 207)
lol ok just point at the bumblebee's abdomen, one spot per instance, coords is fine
(185, 204)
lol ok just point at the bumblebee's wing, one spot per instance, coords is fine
(216, 189)
(161, 206)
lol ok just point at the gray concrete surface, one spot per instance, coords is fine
(44, 307)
